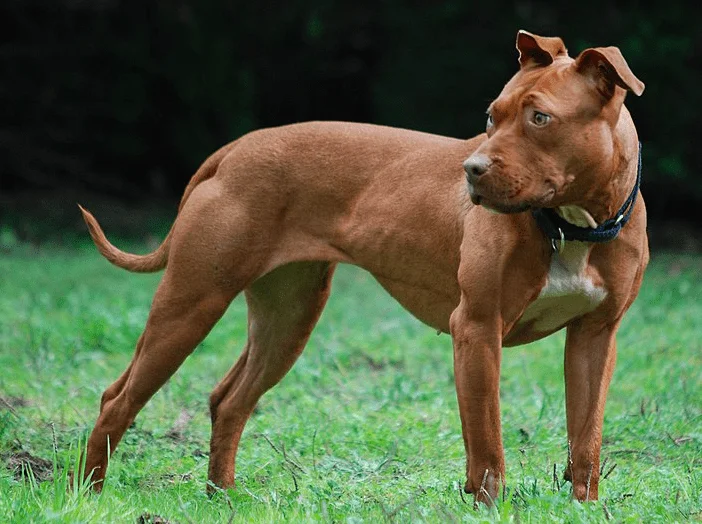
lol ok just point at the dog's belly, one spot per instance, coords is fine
(431, 306)
(567, 294)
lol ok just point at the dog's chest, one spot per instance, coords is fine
(571, 290)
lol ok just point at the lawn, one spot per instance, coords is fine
(364, 428)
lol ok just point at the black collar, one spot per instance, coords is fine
(559, 230)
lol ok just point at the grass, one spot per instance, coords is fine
(364, 428)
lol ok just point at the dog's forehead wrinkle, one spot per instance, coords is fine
(552, 86)
(535, 83)
(507, 104)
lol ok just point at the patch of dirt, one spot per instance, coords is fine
(148, 518)
(20, 461)
(379, 364)
(15, 402)
(11, 403)
(175, 478)
(177, 432)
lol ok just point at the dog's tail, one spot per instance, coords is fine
(158, 259)
(154, 261)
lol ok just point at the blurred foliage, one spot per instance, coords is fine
(128, 97)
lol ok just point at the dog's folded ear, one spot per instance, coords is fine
(606, 68)
(537, 50)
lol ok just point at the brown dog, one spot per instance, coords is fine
(272, 213)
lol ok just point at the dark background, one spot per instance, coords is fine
(122, 100)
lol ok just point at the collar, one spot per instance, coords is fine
(559, 230)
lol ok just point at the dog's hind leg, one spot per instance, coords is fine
(207, 267)
(284, 306)
(180, 318)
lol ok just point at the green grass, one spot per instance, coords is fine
(364, 428)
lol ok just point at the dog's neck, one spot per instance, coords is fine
(606, 199)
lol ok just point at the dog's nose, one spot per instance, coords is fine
(476, 165)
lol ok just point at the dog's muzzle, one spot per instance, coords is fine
(475, 166)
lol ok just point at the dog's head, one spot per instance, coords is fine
(551, 133)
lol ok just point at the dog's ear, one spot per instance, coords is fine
(538, 50)
(606, 68)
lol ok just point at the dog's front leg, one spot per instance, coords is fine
(477, 353)
(590, 355)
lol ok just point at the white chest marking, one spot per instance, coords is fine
(568, 293)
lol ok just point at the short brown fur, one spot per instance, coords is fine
(272, 213)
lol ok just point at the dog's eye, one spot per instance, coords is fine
(490, 121)
(540, 119)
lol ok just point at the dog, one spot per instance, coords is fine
(533, 226)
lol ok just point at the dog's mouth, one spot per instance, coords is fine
(508, 208)
(499, 207)
(505, 209)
